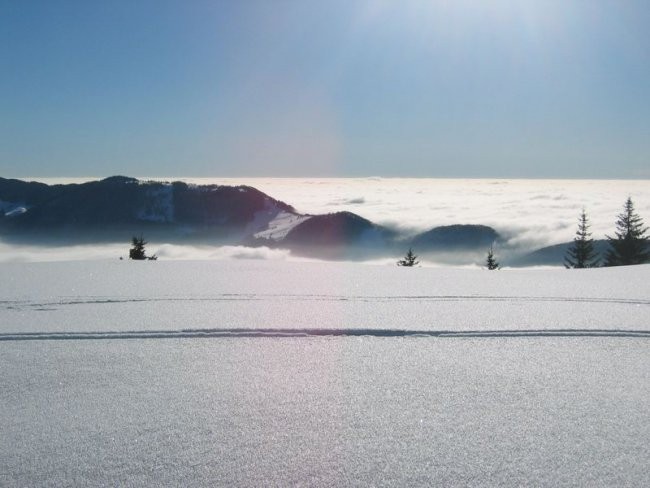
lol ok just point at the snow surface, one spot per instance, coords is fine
(16, 211)
(280, 225)
(126, 295)
(11, 209)
(272, 222)
(272, 373)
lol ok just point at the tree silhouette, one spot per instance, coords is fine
(630, 246)
(582, 254)
(137, 252)
(409, 259)
(491, 263)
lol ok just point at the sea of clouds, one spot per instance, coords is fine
(529, 213)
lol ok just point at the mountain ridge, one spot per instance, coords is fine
(113, 208)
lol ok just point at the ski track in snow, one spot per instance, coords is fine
(285, 333)
(74, 301)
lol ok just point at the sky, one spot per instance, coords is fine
(409, 88)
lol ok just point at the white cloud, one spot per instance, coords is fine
(103, 252)
(182, 252)
(31, 253)
(529, 213)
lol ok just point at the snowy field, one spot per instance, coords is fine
(282, 373)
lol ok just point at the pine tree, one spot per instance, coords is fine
(582, 254)
(137, 252)
(491, 263)
(630, 246)
(409, 259)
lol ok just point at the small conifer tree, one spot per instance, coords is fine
(491, 263)
(137, 251)
(409, 260)
(630, 246)
(582, 254)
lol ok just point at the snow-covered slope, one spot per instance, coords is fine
(125, 295)
(273, 222)
(11, 209)
(280, 225)
(255, 373)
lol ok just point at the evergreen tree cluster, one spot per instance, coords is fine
(630, 244)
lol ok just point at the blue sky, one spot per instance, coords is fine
(500, 88)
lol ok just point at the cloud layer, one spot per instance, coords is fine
(529, 213)
(32, 253)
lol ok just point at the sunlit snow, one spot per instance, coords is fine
(280, 226)
(281, 373)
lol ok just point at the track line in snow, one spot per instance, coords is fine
(286, 333)
(233, 297)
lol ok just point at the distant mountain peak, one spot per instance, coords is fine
(118, 180)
